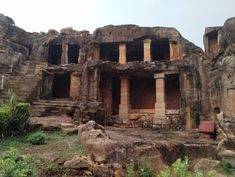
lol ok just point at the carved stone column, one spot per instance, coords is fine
(147, 50)
(124, 100)
(160, 105)
(122, 53)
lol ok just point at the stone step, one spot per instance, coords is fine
(51, 107)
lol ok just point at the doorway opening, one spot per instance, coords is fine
(160, 50)
(61, 86)
(54, 55)
(73, 53)
(172, 91)
(142, 93)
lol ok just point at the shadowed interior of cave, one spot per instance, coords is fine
(61, 86)
(109, 52)
(160, 50)
(142, 93)
(73, 53)
(172, 91)
(134, 51)
(54, 55)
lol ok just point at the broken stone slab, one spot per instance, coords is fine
(50, 123)
(228, 155)
(70, 130)
(206, 165)
(78, 163)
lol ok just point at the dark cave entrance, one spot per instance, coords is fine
(142, 93)
(54, 55)
(73, 53)
(134, 51)
(160, 50)
(61, 86)
(109, 52)
(172, 91)
(116, 84)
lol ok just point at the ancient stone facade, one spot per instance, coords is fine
(150, 76)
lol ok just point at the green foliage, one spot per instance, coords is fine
(197, 174)
(37, 138)
(146, 171)
(130, 169)
(211, 173)
(180, 167)
(14, 116)
(165, 173)
(226, 167)
(11, 98)
(12, 165)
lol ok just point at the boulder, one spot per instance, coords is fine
(69, 128)
(79, 162)
(98, 143)
(228, 155)
(50, 123)
(206, 165)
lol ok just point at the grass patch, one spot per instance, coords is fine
(58, 145)
(37, 138)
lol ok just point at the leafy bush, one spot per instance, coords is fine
(146, 172)
(180, 167)
(226, 167)
(165, 173)
(12, 165)
(14, 116)
(37, 138)
(130, 169)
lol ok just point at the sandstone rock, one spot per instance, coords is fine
(228, 155)
(50, 123)
(70, 131)
(119, 173)
(95, 141)
(206, 165)
(78, 163)
(69, 128)
(102, 171)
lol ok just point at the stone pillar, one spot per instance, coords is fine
(122, 53)
(124, 100)
(96, 52)
(160, 105)
(174, 50)
(147, 50)
(64, 55)
(74, 85)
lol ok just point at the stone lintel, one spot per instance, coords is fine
(159, 76)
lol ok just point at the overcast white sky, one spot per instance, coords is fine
(190, 17)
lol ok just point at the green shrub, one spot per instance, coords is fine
(165, 173)
(130, 169)
(197, 174)
(12, 165)
(145, 172)
(181, 167)
(14, 117)
(37, 138)
(5, 112)
(226, 167)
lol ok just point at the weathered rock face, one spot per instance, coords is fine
(220, 73)
(121, 33)
(104, 149)
(14, 44)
